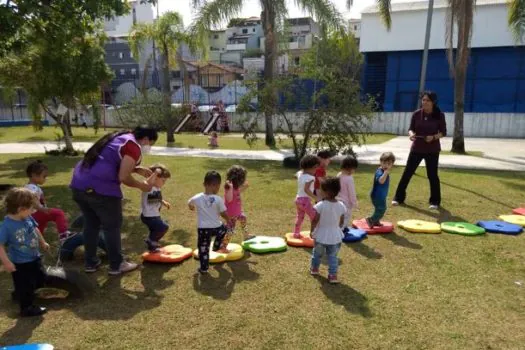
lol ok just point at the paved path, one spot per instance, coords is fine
(499, 154)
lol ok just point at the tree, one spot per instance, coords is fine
(214, 13)
(336, 116)
(60, 60)
(168, 33)
(459, 19)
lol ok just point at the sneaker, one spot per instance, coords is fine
(202, 272)
(433, 207)
(64, 236)
(395, 203)
(346, 231)
(223, 251)
(94, 268)
(124, 267)
(333, 279)
(32, 311)
(314, 271)
(369, 223)
(152, 246)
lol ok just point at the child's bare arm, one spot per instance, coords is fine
(225, 216)
(9, 266)
(341, 221)
(383, 177)
(307, 190)
(166, 204)
(43, 242)
(244, 187)
(314, 224)
(228, 195)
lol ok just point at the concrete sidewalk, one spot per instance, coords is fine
(499, 154)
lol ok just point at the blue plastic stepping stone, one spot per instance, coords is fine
(500, 227)
(354, 235)
(29, 347)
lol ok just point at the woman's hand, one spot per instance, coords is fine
(429, 138)
(144, 172)
(411, 136)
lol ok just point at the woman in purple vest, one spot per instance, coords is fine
(110, 162)
(428, 125)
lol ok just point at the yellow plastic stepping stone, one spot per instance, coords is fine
(236, 253)
(419, 226)
(514, 219)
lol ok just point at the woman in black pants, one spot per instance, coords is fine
(428, 125)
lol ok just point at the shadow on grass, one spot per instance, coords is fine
(346, 296)
(401, 241)
(364, 250)
(21, 331)
(152, 278)
(17, 166)
(442, 215)
(514, 186)
(220, 287)
(264, 169)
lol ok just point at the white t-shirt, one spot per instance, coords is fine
(38, 191)
(328, 230)
(302, 180)
(209, 208)
(151, 203)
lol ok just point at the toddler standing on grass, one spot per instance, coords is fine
(305, 192)
(214, 140)
(380, 189)
(327, 228)
(210, 207)
(320, 173)
(37, 173)
(20, 234)
(347, 194)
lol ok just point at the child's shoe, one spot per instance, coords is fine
(369, 223)
(32, 311)
(223, 250)
(333, 279)
(202, 272)
(346, 231)
(152, 246)
(314, 271)
(64, 236)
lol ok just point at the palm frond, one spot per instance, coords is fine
(324, 12)
(140, 34)
(349, 4)
(385, 8)
(516, 19)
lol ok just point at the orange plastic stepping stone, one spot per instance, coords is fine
(169, 254)
(519, 211)
(387, 227)
(306, 241)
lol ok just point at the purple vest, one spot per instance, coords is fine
(102, 177)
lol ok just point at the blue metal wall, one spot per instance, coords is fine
(495, 79)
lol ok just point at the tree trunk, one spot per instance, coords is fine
(458, 141)
(166, 96)
(270, 51)
(67, 121)
(67, 136)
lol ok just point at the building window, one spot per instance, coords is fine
(253, 30)
(122, 72)
(121, 55)
(355, 26)
(296, 60)
(130, 54)
(133, 71)
(245, 31)
(216, 36)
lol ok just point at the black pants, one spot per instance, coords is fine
(431, 162)
(204, 242)
(27, 278)
(101, 212)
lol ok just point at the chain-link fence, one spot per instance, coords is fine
(13, 105)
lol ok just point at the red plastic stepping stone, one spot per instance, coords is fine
(519, 211)
(387, 227)
(305, 241)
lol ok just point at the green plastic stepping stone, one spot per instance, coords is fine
(462, 228)
(265, 244)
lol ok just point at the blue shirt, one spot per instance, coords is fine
(380, 191)
(21, 239)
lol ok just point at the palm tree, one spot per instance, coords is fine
(212, 13)
(168, 33)
(460, 14)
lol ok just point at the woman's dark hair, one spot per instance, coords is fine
(331, 186)
(212, 178)
(94, 151)
(432, 96)
(309, 161)
(36, 167)
(237, 175)
(349, 163)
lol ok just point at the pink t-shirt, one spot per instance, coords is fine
(234, 207)
(347, 194)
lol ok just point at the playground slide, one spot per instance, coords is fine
(210, 123)
(182, 123)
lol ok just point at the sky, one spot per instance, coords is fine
(252, 8)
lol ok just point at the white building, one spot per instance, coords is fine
(354, 25)
(217, 45)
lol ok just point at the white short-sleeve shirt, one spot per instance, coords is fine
(328, 230)
(302, 180)
(151, 202)
(38, 191)
(209, 208)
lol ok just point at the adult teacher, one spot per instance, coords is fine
(96, 182)
(427, 126)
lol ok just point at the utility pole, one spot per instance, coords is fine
(424, 62)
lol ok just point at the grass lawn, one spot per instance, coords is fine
(398, 291)
(50, 133)
(471, 153)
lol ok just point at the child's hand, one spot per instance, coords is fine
(228, 185)
(45, 246)
(10, 267)
(191, 206)
(167, 204)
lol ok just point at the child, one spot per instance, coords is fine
(320, 173)
(347, 194)
(214, 140)
(37, 173)
(235, 185)
(327, 228)
(152, 202)
(20, 234)
(380, 188)
(305, 191)
(210, 207)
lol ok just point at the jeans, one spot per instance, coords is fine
(304, 206)
(379, 209)
(431, 162)
(27, 278)
(101, 212)
(331, 253)
(69, 246)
